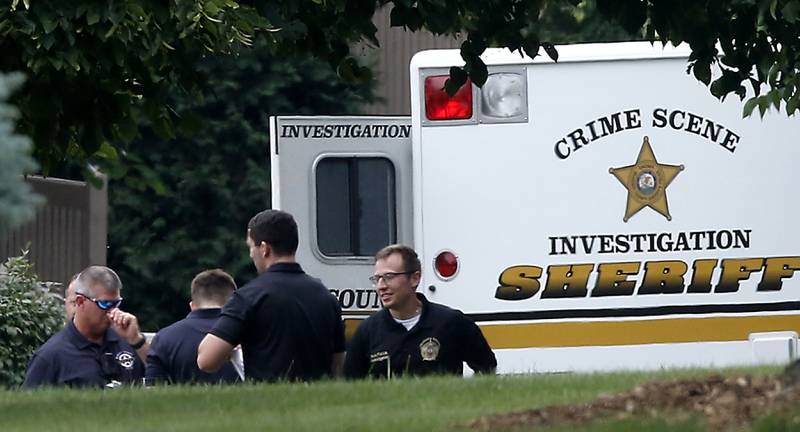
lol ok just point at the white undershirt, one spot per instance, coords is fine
(408, 323)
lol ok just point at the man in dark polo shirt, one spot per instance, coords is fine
(173, 353)
(411, 335)
(98, 347)
(289, 325)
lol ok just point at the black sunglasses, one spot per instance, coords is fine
(103, 304)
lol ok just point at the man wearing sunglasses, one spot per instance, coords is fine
(411, 335)
(98, 347)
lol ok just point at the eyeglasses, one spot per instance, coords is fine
(387, 277)
(103, 304)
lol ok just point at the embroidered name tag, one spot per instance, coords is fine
(379, 356)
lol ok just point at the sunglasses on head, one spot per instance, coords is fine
(103, 304)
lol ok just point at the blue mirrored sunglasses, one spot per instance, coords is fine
(103, 304)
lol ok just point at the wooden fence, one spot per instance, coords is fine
(68, 233)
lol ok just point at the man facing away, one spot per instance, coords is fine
(289, 325)
(411, 335)
(173, 353)
(100, 347)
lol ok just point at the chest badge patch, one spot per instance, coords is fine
(125, 359)
(429, 349)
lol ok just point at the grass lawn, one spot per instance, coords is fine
(400, 405)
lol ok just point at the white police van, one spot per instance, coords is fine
(603, 212)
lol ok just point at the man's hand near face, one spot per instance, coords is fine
(127, 327)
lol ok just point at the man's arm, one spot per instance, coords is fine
(477, 352)
(337, 362)
(157, 371)
(356, 361)
(212, 353)
(337, 365)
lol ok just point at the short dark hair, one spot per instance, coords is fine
(212, 286)
(276, 228)
(410, 258)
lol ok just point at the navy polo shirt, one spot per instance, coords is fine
(439, 343)
(69, 359)
(173, 354)
(288, 323)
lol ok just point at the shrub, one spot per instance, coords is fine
(30, 312)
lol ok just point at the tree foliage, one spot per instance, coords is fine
(211, 179)
(95, 68)
(29, 314)
(746, 42)
(17, 202)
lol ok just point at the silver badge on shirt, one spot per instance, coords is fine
(429, 349)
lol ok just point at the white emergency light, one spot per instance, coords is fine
(504, 98)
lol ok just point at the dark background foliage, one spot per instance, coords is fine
(209, 183)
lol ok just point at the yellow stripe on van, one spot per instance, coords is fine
(634, 332)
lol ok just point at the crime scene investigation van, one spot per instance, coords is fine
(603, 212)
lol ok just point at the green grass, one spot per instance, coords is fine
(400, 405)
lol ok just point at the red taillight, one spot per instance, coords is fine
(446, 264)
(440, 106)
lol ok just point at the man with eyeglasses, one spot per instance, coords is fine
(98, 347)
(410, 335)
(288, 324)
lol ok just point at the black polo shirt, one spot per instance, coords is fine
(288, 323)
(439, 343)
(173, 354)
(69, 359)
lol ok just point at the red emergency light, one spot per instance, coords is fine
(440, 106)
(446, 264)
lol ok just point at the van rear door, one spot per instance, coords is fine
(347, 182)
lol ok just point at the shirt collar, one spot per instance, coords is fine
(285, 267)
(80, 341)
(205, 313)
(422, 315)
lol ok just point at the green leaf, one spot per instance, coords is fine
(793, 104)
(48, 24)
(550, 50)
(702, 71)
(478, 72)
(791, 11)
(531, 47)
(108, 152)
(749, 106)
(93, 15)
(458, 74)
(457, 79)
(763, 105)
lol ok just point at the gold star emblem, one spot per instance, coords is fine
(647, 182)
